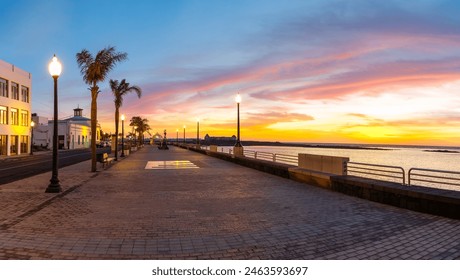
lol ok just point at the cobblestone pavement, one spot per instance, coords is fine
(217, 211)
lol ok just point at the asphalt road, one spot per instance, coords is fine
(16, 168)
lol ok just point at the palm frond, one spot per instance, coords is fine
(95, 69)
(84, 61)
(107, 59)
(119, 89)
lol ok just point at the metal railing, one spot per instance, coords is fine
(258, 155)
(248, 153)
(281, 158)
(289, 159)
(443, 177)
(377, 171)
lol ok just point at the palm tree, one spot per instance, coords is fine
(142, 126)
(119, 89)
(95, 70)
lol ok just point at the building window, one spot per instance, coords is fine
(3, 144)
(3, 115)
(3, 87)
(14, 145)
(25, 94)
(14, 117)
(24, 144)
(24, 118)
(14, 91)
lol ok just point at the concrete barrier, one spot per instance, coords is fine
(311, 177)
(195, 149)
(238, 151)
(324, 164)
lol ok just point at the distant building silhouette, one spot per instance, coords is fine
(219, 140)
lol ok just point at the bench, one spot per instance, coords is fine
(104, 159)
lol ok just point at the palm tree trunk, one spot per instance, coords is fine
(117, 120)
(94, 92)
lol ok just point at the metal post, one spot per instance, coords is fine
(32, 141)
(238, 143)
(54, 186)
(122, 138)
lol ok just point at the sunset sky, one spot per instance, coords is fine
(307, 71)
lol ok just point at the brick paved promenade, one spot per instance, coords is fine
(216, 211)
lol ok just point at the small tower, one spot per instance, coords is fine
(77, 112)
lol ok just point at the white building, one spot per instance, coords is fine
(40, 131)
(15, 107)
(73, 133)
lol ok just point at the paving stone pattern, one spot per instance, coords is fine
(217, 211)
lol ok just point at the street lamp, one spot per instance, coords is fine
(184, 134)
(32, 124)
(198, 131)
(122, 136)
(238, 101)
(177, 137)
(55, 69)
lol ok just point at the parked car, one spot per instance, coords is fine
(103, 144)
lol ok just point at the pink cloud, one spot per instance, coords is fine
(271, 117)
(370, 80)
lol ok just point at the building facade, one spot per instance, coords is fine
(15, 110)
(40, 136)
(73, 132)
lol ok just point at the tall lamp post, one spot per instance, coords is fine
(32, 124)
(238, 101)
(55, 69)
(198, 132)
(177, 137)
(238, 148)
(122, 135)
(184, 134)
